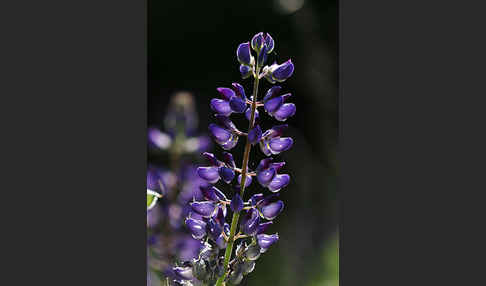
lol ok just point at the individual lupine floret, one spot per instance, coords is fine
(267, 175)
(218, 170)
(274, 104)
(273, 143)
(278, 73)
(225, 133)
(230, 102)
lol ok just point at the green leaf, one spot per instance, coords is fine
(152, 198)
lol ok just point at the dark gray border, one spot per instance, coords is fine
(411, 78)
(73, 148)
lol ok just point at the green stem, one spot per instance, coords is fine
(244, 171)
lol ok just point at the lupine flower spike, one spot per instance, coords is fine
(216, 263)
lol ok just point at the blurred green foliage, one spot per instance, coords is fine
(329, 275)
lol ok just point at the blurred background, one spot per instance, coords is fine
(192, 47)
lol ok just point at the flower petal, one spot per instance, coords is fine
(209, 174)
(279, 181)
(285, 111)
(220, 106)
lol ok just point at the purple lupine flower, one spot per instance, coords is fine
(274, 104)
(268, 177)
(207, 219)
(279, 73)
(272, 143)
(250, 222)
(230, 102)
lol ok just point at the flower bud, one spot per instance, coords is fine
(236, 203)
(237, 104)
(257, 42)
(247, 267)
(243, 53)
(226, 174)
(247, 181)
(255, 134)
(262, 56)
(248, 114)
(265, 241)
(270, 43)
(252, 253)
(200, 270)
(245, 71)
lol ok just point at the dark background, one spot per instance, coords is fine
(192, 46)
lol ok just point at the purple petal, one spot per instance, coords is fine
(237, 104)
(226, 93)
(263, 227)
(209, 174)
(226, 122)
(206, 208)
(212, 159)
(212, 193)
(247, 181)
(265, 176)
(285, 111)
(255, 134)
(158, 139)
(249, 222)
(153, 179)
(213, 228)
(280, 144)
(231, 143)
(272, 210)
(197, 228)
(272, 92)
(277, 166)
(243, 53)
(248, 114)
(257, 41)
(265, 148)
(270, 43)
(284, 71)
(265, 240)
(255, 199)
(275, 131)
(226, 174)
(236, 203)
(279, 181)
(273, 104)
(245, 71)
(221, 106)
(240, 91)
(262, 56)
(228, 159)
(220, 242)
(264, 164)
(220, 134)
(184, 273)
